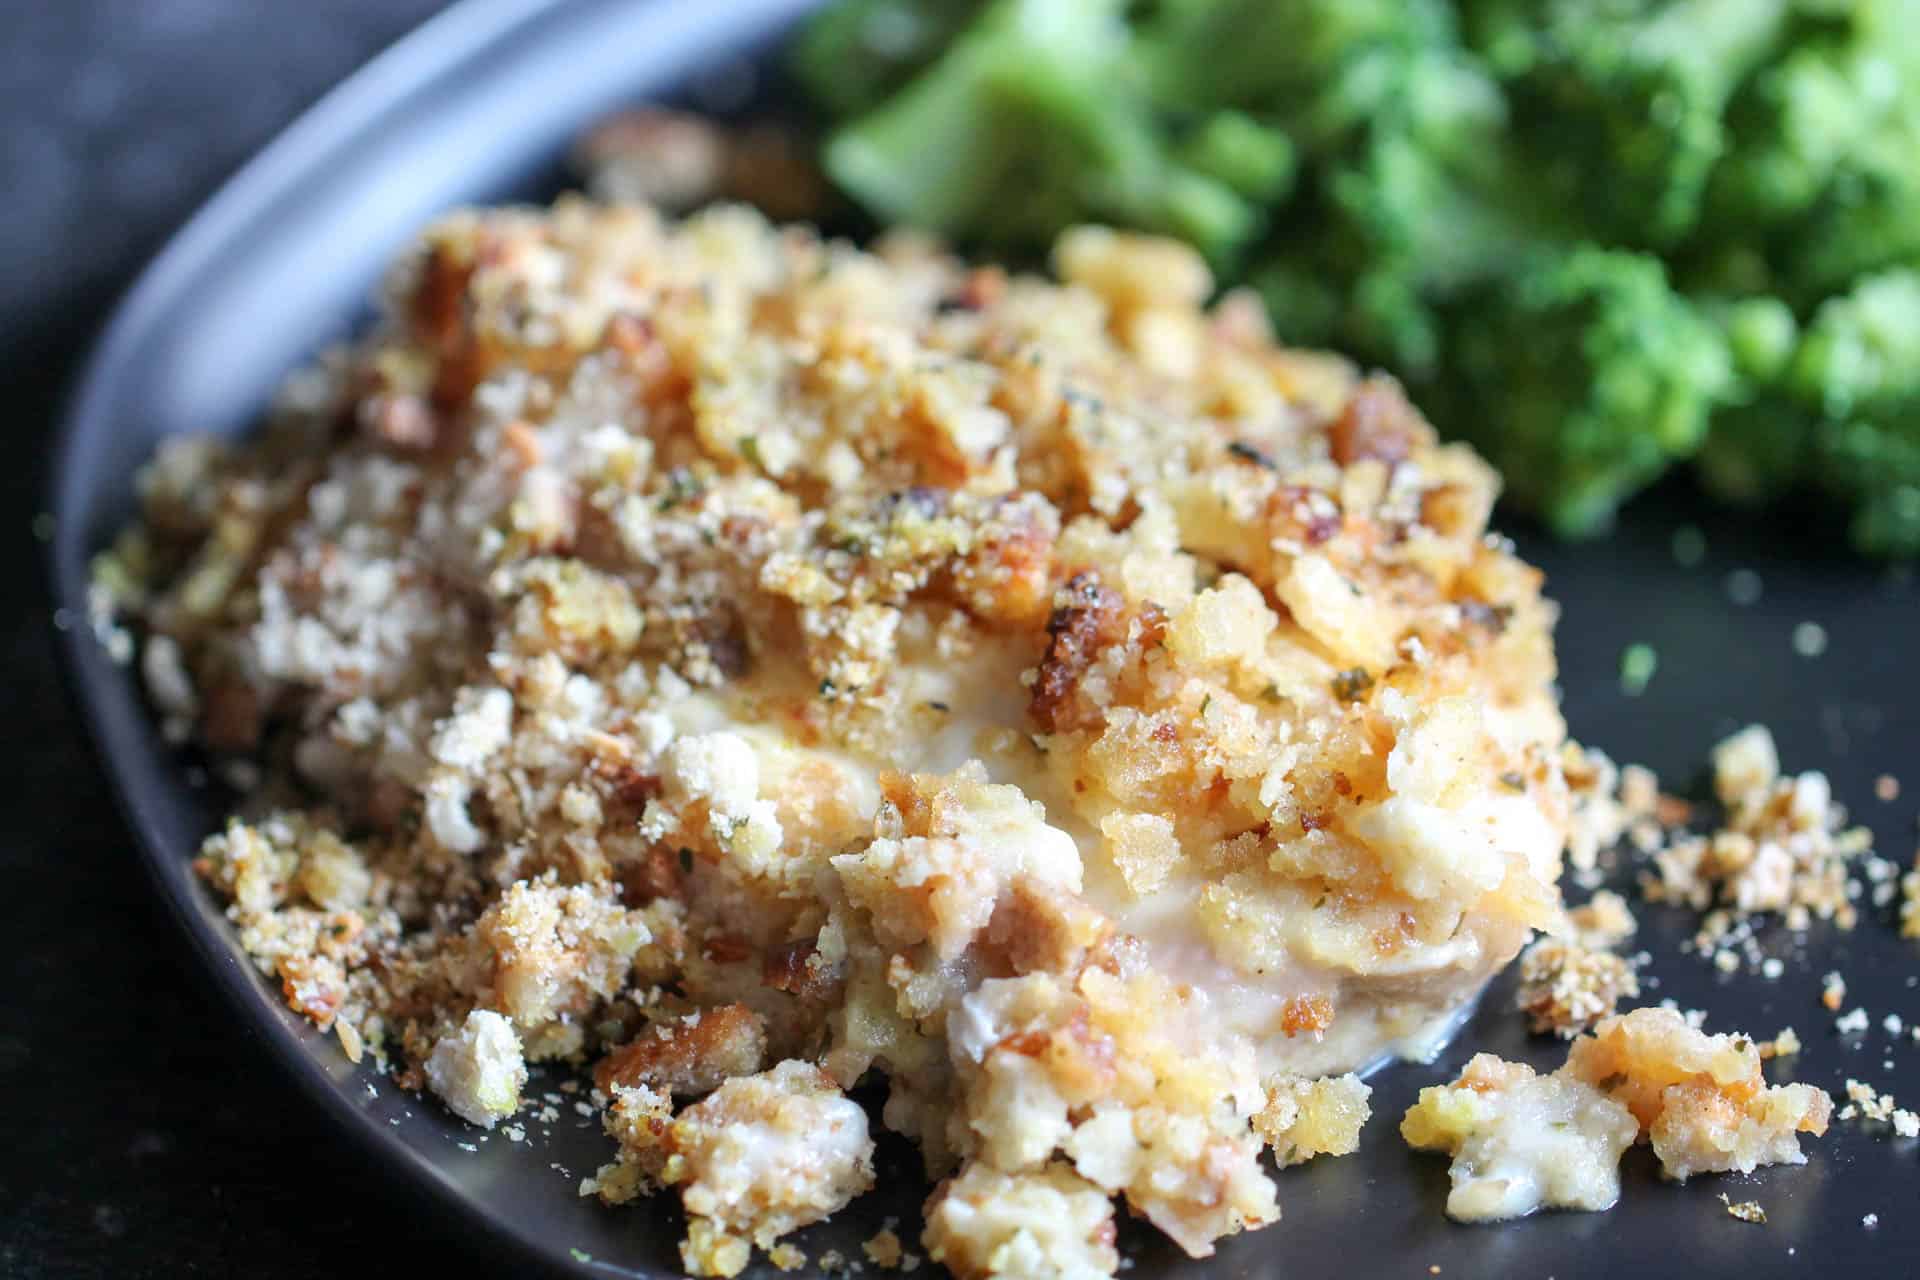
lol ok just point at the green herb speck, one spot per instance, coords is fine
(1638, 662)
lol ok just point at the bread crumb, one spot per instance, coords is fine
(478, 1070)
(1745, 1210)
(1565, 988)
(883, 1249)
(1864, 1102)
(1701, 1099)
(1046, 1223)
(1783, 848)
(1308, 1118)
(1604, 920)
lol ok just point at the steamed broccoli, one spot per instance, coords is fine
(1581, 345)
(1598, 237)
(1760, 440)
(1621, 102)
(857, 53)
(1858, 370)
(1823, 167)
(1037, 117)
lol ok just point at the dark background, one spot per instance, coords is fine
(146, 1135)
(149, 1136)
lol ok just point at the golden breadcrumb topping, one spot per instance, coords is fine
(678, 648)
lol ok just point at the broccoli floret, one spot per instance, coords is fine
(1284, 58)
(1758, 444)
(1585, 379)
(1869, 217)
(1416, 207)
(1256, 160)
(851, 55)
(948, 152)
(1620, 103)
(1757, 449)
(1303, 302)
(1839, 408)
(1824, 139)
(1862, 349)
(1859, 368)
(1035, 118)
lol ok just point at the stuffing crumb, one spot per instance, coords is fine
(1602, 921)
(1745, 1210)
(1784, 1045)
(1852, 1023)
(883, 1249)
(478, 1070)
(1783, 848)
(1886, 788)
(1864, 1102)
(1049, 1224)
(690, 1055)
(761, 1156)
(1700, 1099)
(1565, 987)
(1833, 991)
(1522, 1141)
(1308, 1118)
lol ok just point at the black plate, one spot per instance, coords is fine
(478, 106)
